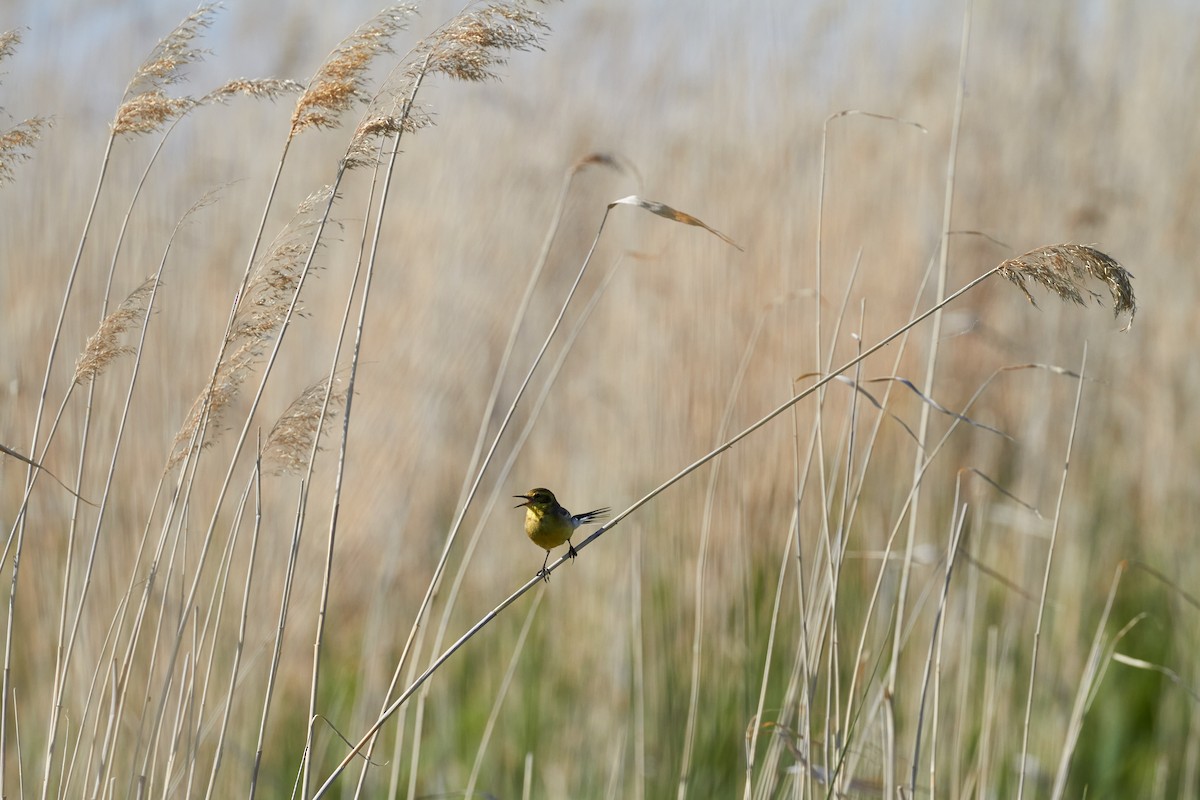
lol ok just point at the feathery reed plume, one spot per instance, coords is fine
(8, 43)
(362, 151)
(103, 347)
(261, 310)
(148, 111)
(217, 398)
(467, 48)
(269, 291)
(258, 88)
(339, 82)
(1062, 269)
(471, 45)
(290, 442)
(17, 140)
(146, 105)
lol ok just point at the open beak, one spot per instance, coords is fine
(524, 497)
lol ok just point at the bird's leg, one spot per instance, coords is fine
(571, 551)
(544, 573)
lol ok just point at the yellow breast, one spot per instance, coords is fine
(547, 530)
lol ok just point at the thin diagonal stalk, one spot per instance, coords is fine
(798, 686)
(329, 550)
(1037, 631)
(402, 698)
(935, 638)
(98, 673)
(208, 634)
(862, 641)
(63, 652)
(502, 692)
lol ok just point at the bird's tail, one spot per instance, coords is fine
(592, 516)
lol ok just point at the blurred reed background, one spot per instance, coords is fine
(737, 634)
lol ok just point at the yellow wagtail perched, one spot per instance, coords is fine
(547, 524)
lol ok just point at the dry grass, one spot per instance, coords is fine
(739, 628)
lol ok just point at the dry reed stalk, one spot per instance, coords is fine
(136, 308)
(1054, 528)
(9, 451)
(1063, 270)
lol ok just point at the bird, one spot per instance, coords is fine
(548, 524)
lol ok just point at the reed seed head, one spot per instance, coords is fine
(149, 111)
(104, 346)
(147, 106)
(16, 142)
(467, 48)
(258, 88)
(261, 311)
(1063, 270)
(339, 83)
(290, 443)
(8, 43)
(473, 44)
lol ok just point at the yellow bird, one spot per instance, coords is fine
(548, 524)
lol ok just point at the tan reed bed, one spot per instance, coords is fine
(164, 712)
